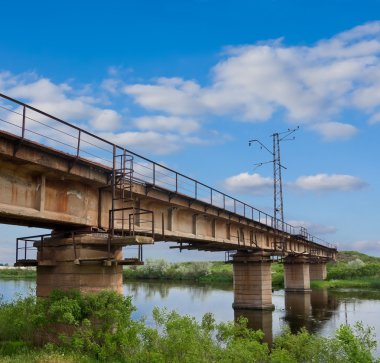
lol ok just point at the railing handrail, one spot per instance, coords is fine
(279, 223)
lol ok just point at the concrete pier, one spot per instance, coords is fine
(83, 264)
(297, 274)
(252, 281)
(318, 271)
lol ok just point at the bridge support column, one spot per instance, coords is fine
(81, 263)
(252, 281)
(297, 274)
(318, 271)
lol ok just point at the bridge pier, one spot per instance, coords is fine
(82, 263)
(318, 271)
(252, 281)
(297, 274)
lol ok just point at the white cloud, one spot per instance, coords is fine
(248, 183)
(313, 228)
(106, 120)
(156, 133)
(326, 182)
(173, 95)
(374, 119)
(335, 130)
(59, 100)
(148, 141)
(308, 83)
(111, 85)
(167, 123)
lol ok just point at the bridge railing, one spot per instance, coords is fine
(32, 124)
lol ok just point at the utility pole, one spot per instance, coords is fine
(278, 202)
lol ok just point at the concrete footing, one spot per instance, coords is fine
(318, 271)
(297, 274)
(252, 281)
(85, 265)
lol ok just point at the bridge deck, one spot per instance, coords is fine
(54, 174)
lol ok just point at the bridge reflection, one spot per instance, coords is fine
(310, 310)
(258, 320)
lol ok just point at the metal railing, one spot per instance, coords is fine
(26, 247)
(32, 124)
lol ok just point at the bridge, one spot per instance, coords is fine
(98, 197)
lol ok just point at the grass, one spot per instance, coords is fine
(17, 273)
(369, 282)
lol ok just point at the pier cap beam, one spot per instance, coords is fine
(86, 266)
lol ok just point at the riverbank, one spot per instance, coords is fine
(17, 273)
(70, 327)
(351, 270)
(203, 272)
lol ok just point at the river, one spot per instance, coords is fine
(321, 311)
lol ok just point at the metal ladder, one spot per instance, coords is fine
(122, 183)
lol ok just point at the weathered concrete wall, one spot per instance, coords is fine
(296, 274)
(62, 267)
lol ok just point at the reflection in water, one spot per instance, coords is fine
(150, 289)
(297, 310)
(258, 320)
(309, 309)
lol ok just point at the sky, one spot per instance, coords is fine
(188, 83)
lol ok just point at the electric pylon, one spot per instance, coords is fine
(278, 201)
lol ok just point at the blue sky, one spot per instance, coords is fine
(188, 83)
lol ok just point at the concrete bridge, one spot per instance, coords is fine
(97, 197)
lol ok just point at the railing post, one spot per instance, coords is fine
(234, 205)
(154, 173)
(211, 195)
(78, 146)
(176, 182)
(42, 248)
(224, 201)
(152, 213)
(196, 190)
(25, 246)
(23, 122)
(112, 216)
(17, 249)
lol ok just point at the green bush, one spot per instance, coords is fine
(342, 270)
(98, 327)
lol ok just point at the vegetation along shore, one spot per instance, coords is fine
(351, 270)
(70, 327)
